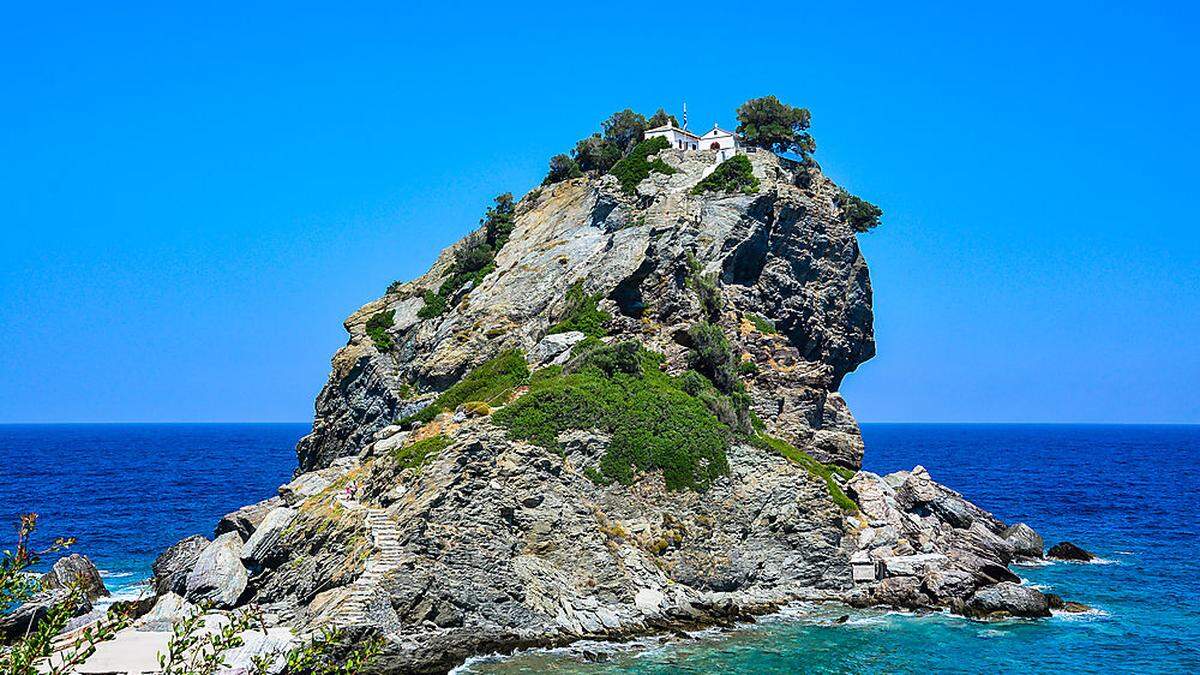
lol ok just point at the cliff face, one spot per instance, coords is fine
(782, 253)
(454, 529)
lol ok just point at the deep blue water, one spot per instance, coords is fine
(1129, 493)
(128, 491)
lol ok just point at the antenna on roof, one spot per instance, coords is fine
(684, 127)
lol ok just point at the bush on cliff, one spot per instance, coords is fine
(583, 314)
(562, 167)
(713, 356)
(624, 129)
(654, 424)
(415, 455)
(491, 382)
(735, 174)
(475, 258)
(636, 166)
(859, 213)
(377, 327)
(596, 154)
(770, 124)
(708, 293)
(825, 472)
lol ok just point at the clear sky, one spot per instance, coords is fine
(193, 199)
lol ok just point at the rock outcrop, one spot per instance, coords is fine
(449, 535)
(1065, 550)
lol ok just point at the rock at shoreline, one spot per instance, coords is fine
(218, 575)
(75, 570)
(1025, 542)
(1065, 550)
(172, 566)
(1007, 599)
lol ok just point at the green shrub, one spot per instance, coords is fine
(712, 356)
(859, 213)
(498, 222)
(475, 258)
(491, 382)
(708, 293)
(661, 119)
(768, 123)
(414, 456)
(596, 154)
(583, 314)
(435, 305)
(621, 357)
(377, 327)
(825, 472)
(636, 166)
(653, 422)
(763, 324)
(747, 368)
(562, 167)
(624, 129)
(735, 174)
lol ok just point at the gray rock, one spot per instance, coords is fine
(1025, 542)
(1065, 550)
(947, 587)
(1008, 599)
(218, 575)
(171, 567)
(552, 346)
(262, 547)
(246, 519)
(75, 570)
(26, 617)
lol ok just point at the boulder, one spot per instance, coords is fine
(1025, 542)
(171, 568)
(952, 510)
(1065, 550)
(218, 575)
(1008, 599)
(26, 617)
(75, 570)
(258, 550)
(246, 519)
(554, 345)
(946, 586)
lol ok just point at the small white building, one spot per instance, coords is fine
(680, 139)
(723, 142)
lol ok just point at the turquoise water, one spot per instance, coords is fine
(1129, 493)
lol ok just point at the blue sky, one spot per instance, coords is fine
(194, 198)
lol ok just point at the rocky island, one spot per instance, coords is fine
(612, 410)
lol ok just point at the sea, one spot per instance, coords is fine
(1130, 494)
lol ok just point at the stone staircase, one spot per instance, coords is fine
(385, 536)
